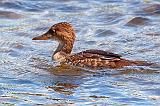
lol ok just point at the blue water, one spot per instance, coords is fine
(28, 76)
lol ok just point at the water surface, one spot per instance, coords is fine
(28, 76)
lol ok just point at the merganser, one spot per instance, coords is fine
(64, 33)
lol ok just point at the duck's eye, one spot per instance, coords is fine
(52, 31)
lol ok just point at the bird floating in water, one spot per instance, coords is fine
(64, 33)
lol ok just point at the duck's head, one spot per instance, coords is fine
(62, 32)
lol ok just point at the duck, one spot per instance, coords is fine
(64, 33)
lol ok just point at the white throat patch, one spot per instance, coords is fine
(59, 56)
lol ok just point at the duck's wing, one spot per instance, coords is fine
(101, 54)
(94, 58)
(95, 54)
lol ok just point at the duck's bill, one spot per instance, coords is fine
(42, 37)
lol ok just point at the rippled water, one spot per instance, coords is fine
(28, 76)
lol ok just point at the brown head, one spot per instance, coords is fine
(63, 33)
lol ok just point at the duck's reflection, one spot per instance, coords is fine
(69, 70)
(66, 70)
(63, 88)
(68, 78)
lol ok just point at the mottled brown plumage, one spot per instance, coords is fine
(99, 59)
(64, 33)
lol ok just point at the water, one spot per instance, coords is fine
(28, 76)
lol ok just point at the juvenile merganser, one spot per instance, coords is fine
(64, 33)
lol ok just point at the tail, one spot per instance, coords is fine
(123, 62)
(142, 63)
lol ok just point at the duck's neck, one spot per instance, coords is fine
(63, 50)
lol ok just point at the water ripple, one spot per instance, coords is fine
(28, 75)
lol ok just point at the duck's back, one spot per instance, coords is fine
(98, 59)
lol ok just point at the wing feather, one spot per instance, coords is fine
(94, 54)
(98, 54)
